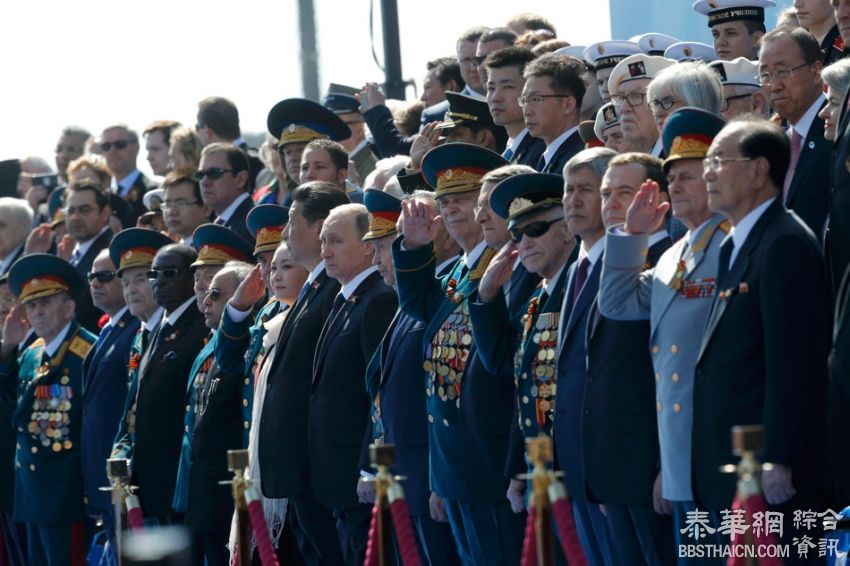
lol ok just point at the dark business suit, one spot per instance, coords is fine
(572, 376)
(283, 438)
(400, 418)
(339, 407)
(237, 223)
(763, 361)
(163, 374)
(86, 313)
(529, 151)
(619, 424)
(388, 140)
(838, 229)
(808, 194)
(135, 198)
(568, 148)
(104, 386)
(839, 398)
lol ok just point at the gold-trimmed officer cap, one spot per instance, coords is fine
(42, 275)
(454, 168)
(136, 247)
(216, 245)
(384, 210)
(266, 223)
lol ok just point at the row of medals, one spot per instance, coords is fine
(49, 420)
(542, 371)
(447, 354)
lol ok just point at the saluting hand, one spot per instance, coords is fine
(498, 273)
(418, 223)
(428, 138)
(647, 211)
(250, 291)
(65, 247)
(15, 328)
(39, 240)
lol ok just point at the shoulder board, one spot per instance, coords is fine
(79, 347)
(725, 226)
(38, 343)
(483, 262)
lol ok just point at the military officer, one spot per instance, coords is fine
(212, 426)
(239, 346)
(469, 409)
(675, 295)
(398, 403)
(215, 245)
(469, 120)
(736, 25)
(295, 122)
(48, 467)
(341, 101)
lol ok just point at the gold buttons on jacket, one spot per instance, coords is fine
(674, 348)
(677, 407)
(658, 406)
(675, 378)
(655, 349)
(657, 376)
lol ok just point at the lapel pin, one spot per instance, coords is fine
(743, 287)
(811, 145)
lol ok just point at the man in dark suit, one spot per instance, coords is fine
(838, 229)
(798, 99)
(398, 402)
(619, 417)
(283, 437)
(339, 405)
(505, 81)
(224, 177)
(583, 214)
(757, 344)
(218, 122)
(163, 373)
(551, 102)
(120, 147)
(104, 383)
(87, 213)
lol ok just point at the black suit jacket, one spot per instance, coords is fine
(87, 314)
(160, 408)
(566, 150)
(388, 140)
(339, 403)
(104, 383)
(808, 194)
(619, 420)
(838, 230)
(529, 151)
(135, 197)
(763, 359)
(839, 398)
(283, 450)
(236, 222)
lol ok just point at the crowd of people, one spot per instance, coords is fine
(627, 248)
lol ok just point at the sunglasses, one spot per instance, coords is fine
(213, 173)
(533, 230)
(168, 273)
(120, 144)
(101, 276)
(213, 294)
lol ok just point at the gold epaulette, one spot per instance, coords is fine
(481, 267)
(725, 226)
(79, 347)
(38, 343)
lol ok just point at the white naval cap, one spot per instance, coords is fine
(606, 118)
(636, 67)
(691, 51)
(606, 54)
(740, 71)
(654, 43)
(722, 11)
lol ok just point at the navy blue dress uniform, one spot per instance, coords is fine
(755, 347)
(398, 402)
(469, 409)
(473, 113)
(239, 346)
(48, 420)
(340, 100)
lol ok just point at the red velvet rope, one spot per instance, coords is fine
(134, 513)
(260, 528)
(562, 512)
(754, 504)
(373, 547)
(529, 545)
(404, 530)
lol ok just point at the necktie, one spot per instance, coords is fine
(104, 335)
(796, 147)
(581, 277)
(302, 292)
(75, 259)
(724, 259)
(161, 333)
(541, 165)
(507, 154)
(339, 302)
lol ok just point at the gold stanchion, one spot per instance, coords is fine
(237, 462)
(747, 441)
(382, 457)
(540, 454)
(118, 472)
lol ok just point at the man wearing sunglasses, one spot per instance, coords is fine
(105, 383)
(154, 446)
(224, 178)
(120, 146)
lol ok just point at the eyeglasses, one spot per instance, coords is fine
(178, 204)
(213, 294)
(714, 163)
(537, 99)
(766, 79)
(213, 173)
(167, 273)
(101, 276)
(633, 98)
(724, 106)
(84, 210)
(120, 144)
(532, 230)
(665, 103)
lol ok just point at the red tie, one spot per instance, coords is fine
(796, 146)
